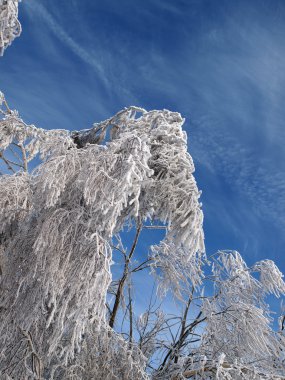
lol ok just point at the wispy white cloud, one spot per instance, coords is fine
(37, 9)
(253, 175)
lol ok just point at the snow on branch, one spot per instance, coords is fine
(15, 198)
(238, 340)
(238, 320)
(168, 193)
(10, 27)
(270, 277)
(13, 130)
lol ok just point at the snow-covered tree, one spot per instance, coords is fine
(65, 198)
(59, 220)
(57, 223)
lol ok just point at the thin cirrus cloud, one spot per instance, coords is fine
(39, 10)
(88, 45)
(235, 88)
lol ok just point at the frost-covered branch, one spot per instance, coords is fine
(10, 27)
(121, 284)
(237, 340)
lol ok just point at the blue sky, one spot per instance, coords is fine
(219, 63)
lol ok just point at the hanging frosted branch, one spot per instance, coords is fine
(20, 143)
(238, 341)
(10, 27)
(168, 193)
(15, 199)
(270, 277)
(232, 336)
